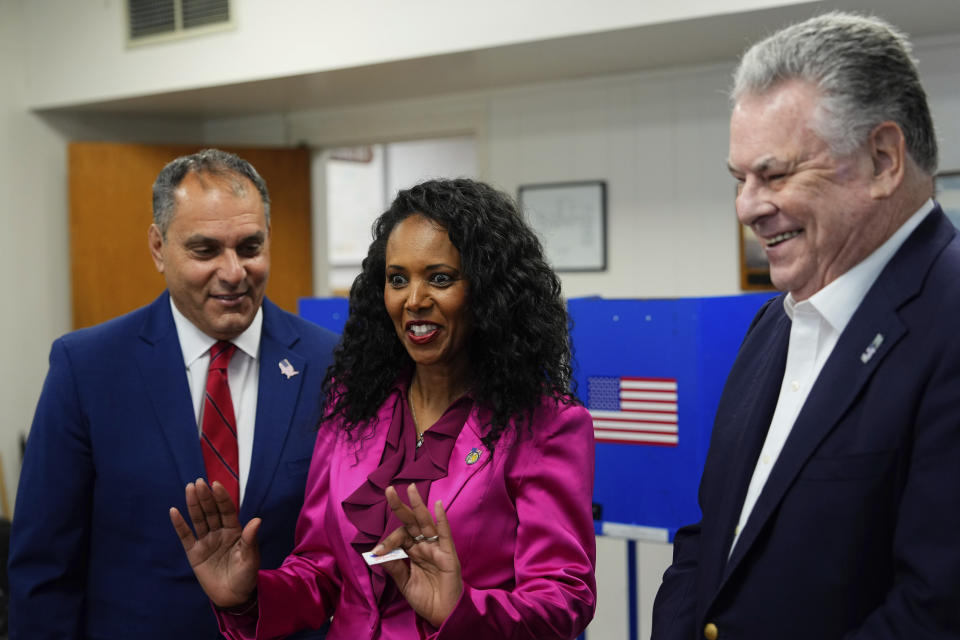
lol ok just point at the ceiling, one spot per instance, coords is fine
(705, 40)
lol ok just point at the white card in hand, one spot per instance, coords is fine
(396, 554)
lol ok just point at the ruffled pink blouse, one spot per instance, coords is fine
(402, 462)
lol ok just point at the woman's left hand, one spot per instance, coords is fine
(431, 581)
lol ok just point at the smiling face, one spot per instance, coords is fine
(216, 254)
(426, 295)
(811, 210)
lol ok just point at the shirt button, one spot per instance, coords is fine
(795, 385)
(765, 459)
(710, 632)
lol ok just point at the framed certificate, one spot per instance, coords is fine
(948, 195)
(571, 219)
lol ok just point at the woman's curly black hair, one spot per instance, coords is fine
(519, 348)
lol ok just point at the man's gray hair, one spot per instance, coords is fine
(215, 162)
(864, 70)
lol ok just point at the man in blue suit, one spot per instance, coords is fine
(831, 491)
(117, 432)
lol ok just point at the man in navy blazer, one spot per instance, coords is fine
(831, 491)
(116, 438)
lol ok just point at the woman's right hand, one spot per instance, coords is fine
(224, 556)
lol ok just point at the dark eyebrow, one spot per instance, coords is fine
(763, 165)
(429, 267)
(199, 238)
(259, 236)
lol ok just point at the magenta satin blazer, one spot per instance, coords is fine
(522, 524)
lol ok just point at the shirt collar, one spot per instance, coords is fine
(837, 302)
(195, 343)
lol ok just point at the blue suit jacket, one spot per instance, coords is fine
(856, 533)
(113, 442)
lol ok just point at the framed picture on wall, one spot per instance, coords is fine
(571, 220)
(948, 195)
(754, 267)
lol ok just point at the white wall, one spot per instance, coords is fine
(417, 160)
(941, 79)
(33, 250)
(274, 39)
(659, 139)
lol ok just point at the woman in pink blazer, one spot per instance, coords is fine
(450, 388)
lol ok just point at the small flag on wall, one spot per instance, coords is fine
(633, 410)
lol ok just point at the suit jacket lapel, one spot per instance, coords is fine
(836, 388)
(160, 362)
(354, 462)
(872, 332)
(469, 456)
(357, 460)
(276, 403)
(754, 390)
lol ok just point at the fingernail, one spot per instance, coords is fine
(377, 550)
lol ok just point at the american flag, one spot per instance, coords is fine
(633, 410)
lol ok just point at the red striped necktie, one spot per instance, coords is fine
(219, 428)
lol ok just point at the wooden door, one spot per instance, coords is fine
(110, 194)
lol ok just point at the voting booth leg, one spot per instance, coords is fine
(634, 625)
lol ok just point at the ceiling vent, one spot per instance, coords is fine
(158, 20)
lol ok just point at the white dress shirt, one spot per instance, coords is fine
(243, 376)
(817, 324)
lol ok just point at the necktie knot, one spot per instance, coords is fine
(220, 355)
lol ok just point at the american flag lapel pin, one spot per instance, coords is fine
(871, 348)
(287, 369)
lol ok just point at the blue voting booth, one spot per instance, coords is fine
(651, 372)
(329, 313)
(667, 360)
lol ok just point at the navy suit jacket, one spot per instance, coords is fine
(856, 533)
(113, 443)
